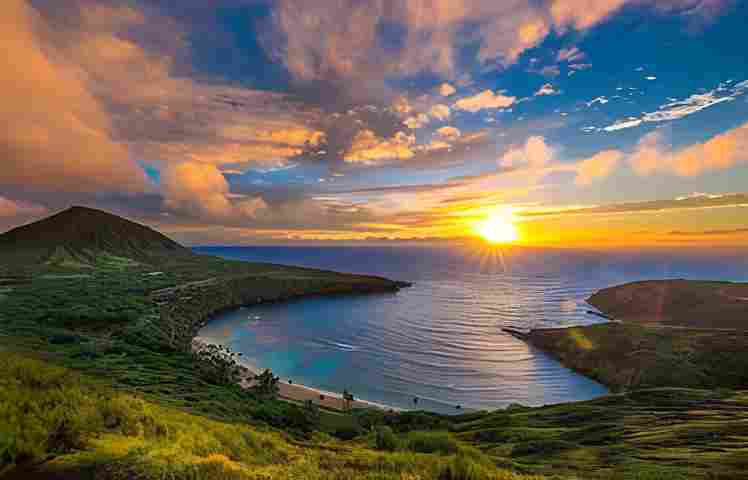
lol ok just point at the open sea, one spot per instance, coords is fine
(441, 339)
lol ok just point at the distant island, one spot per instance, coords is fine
(98, 377)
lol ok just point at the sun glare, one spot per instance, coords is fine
(498, 229)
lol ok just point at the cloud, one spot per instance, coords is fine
(484, 100)
(418, 121)
(623, 124)
(368, 148)
(440, 112)
(598, 166)
(682, 108)
(346, 44)
(547, 89)
(713, 201)
(201, 190)
(13, 208)
(446, 89)
(571, 54)
(535, 153)
(56, 135)
(448, 133)
(720, 152)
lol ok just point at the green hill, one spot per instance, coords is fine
(81, 236)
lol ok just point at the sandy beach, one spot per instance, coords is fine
(297, 393)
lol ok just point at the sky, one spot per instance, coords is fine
(584, 122)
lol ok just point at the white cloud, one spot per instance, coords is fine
(681, 108)
(484, 100)
(602, 100)
(547, 89)
(622, 124)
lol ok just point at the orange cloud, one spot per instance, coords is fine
(11, 208)
(440, 112)
(201, 190)
(56, 135)
(599, 165)
(718, 153)
(368, 148)
(535, 153)
(446, 89)
(484, 100)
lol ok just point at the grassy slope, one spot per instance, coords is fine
(56, 424)
(622, 356)
(672, 333)
(682, 303)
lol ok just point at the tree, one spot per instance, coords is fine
(347, 399)
(266, 385)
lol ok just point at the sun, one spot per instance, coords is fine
(498, 229)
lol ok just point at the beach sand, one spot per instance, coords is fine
(296, 393)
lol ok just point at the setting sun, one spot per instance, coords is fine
(498, 229)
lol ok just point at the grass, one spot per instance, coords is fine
(56, 421)
(623, 355)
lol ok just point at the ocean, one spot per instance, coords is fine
(441, 340)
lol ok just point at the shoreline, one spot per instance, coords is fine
(299, 393)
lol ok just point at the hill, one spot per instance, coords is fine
(82, 236)
(665, 333)
(677, 303)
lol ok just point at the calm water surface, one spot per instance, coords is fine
(441, 339)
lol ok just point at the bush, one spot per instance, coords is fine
(542, 447)
(432, 442)
(464, 468)
(386, 439)
(348, 432)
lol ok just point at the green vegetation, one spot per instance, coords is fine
(622, 355)
(99, 379)
(79, 428)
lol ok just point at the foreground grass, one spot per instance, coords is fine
(54, 421)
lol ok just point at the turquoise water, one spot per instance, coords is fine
(441, 340)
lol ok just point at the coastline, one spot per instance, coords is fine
(298, 393)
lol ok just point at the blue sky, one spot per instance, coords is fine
(295, 120)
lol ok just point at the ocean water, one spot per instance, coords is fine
(441, 340)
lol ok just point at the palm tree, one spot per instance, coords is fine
(347, 399)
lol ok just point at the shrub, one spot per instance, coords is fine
(542, 447)
(385, 439)
(348, 432)
(464, 468)
(432, 442)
